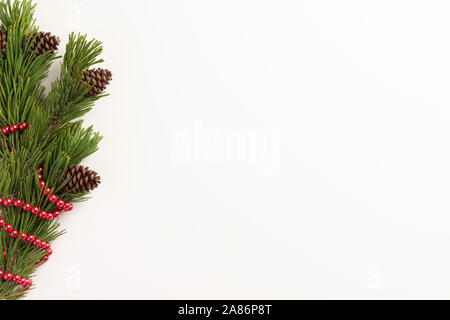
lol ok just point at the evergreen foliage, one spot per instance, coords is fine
(54, 140)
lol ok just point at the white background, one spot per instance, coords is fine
(262, 150)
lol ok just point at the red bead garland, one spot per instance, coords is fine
(64, 206)
(34, 210)
(8, 276)
(14, 128)
(53, 198)
(24, 237)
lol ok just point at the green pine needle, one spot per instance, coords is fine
(55, 138)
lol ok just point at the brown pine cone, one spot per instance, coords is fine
(3, 42)
(97, 79)
(44, 42)
(83, 180)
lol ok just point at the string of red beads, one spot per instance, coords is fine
(14, 128)
(8, 276)
(8, 202)
(64, 206)
(26, 237)
(61, 204)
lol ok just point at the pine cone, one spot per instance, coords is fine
(3, 42)
(44, 42)
(98, 79)
(82, 180)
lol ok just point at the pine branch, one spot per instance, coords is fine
(18, 15)
(54, 139)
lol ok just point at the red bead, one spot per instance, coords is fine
(2, 273)
(14, 128)
(8, 228)
(23, 236)
(43, 184)
(2, 223)
(8, 202)
(48, 191)
(40, 170)
(43, 245)
(56, 214)
(16, 278)
(46, 258)
(48, 246)
(28, 283)
(26, 207)
(68, 206)
(18, 203)
(49, 252)
(60, 203)
(1, 201)
(35, 210)
(40, 176)
(37, 242)
(43, 214)
(31, 238)
(53, 198)
(23, 126)
(8, 276)
(49, 216)
(22, 280)
(5, 130)
(14, 233)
